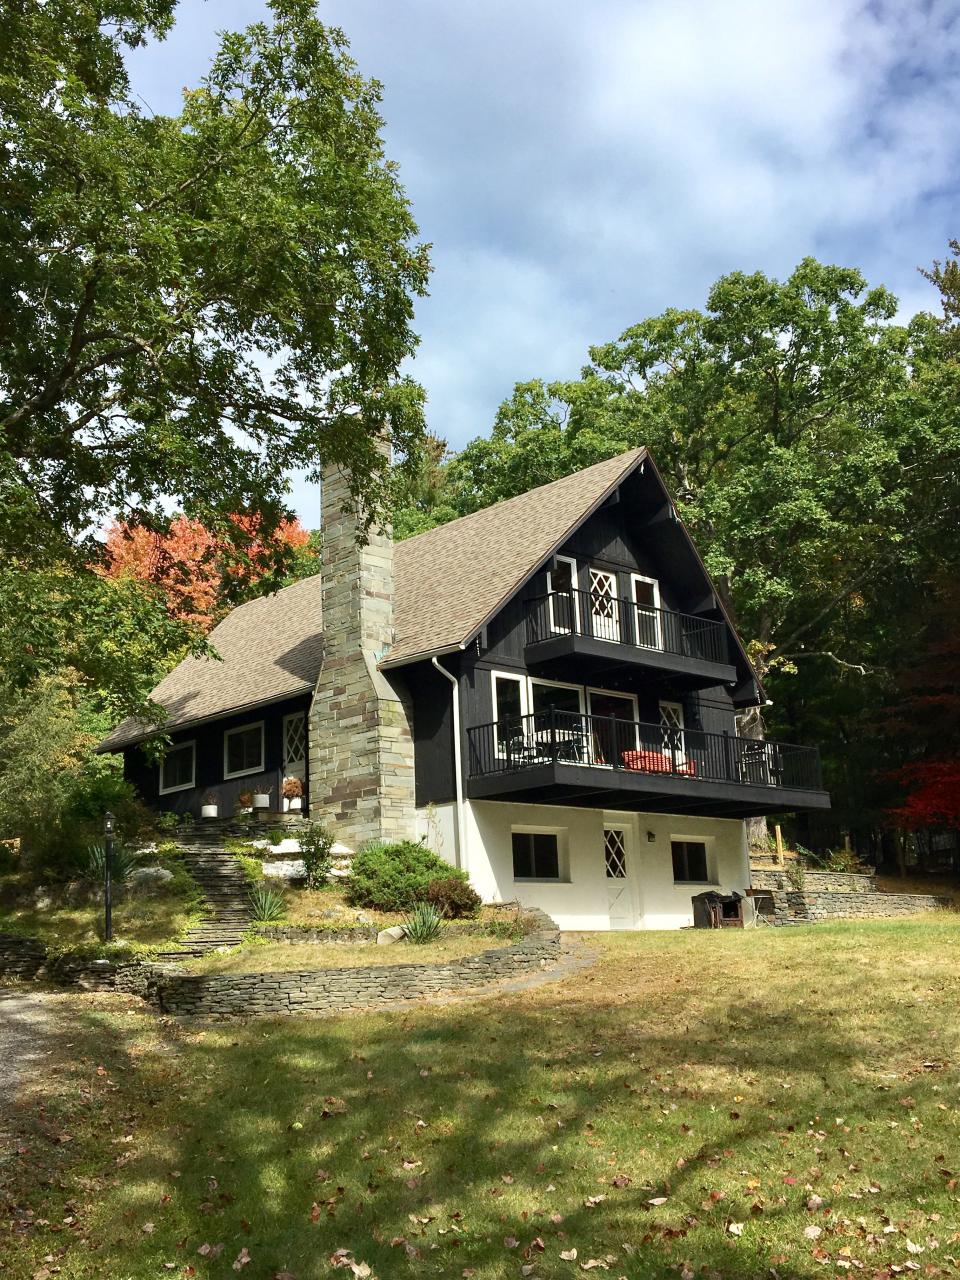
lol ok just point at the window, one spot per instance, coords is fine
(646, 601)
(615, 853)
(178, 767)
(536, 855)
(689, 861)
(243, 750)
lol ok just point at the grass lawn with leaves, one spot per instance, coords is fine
(271, 957)
(736, 1104)
(73, 916)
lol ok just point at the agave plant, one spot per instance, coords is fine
(122, 862)
(267, 905)
(424, 923)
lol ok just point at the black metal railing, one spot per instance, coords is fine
(567, 737)
(623, 621)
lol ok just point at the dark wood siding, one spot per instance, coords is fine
(430, 698)
(209, 762)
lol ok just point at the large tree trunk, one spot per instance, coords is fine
(751, 726)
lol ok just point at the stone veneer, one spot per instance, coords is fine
(28, 959)
(360, 754)
(825, 881)
(810, 906)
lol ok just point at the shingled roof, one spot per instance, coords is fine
(451, 580)
(269, 648)
(448, 583)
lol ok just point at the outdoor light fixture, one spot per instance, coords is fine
(109, 826)
(651, 837)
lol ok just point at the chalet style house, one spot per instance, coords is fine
(546, 691)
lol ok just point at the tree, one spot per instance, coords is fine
(197, 572)
(946, 276)
(191, 305)
(420, 494)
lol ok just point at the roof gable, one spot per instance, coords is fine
(451, 580)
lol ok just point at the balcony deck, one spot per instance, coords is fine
(596, 761)
(614, 631)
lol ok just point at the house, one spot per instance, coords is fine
(546, 691)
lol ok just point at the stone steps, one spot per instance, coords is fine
(225, 899)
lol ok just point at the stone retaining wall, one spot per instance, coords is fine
(808, 907)
(331, 990)
(825, 881)
(29, 959)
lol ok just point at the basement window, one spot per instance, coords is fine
(243, 750)
(689, 861)
(536, 855)
(178, 768)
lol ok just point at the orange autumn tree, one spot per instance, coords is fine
(201, 573)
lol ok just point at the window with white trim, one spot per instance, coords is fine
(689, 862)
(178, 768)
(243, 750)
(536, 855)
(509, 708)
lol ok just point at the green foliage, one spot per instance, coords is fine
(316, 845)
(796, 874)
(453, 897)
(508, 930)
(251, 867)
(393, 877)
(276, 835)
(423, 923)
(267, 905)
(128, 277)
(122, 863)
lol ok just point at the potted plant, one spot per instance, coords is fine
(210, 807)
(293, 794)
(261, 799)
(245, 801)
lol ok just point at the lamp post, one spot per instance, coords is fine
(109, 823)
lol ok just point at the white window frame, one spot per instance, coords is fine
(708, 844)
(614, 693)
(650, 582)
(563, 861)
(183, 786)
(574, 602)
(556, 684)
(520, 679)
(245, 728)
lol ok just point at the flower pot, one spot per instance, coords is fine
(209, 810)
(295, 804)
(261, 800)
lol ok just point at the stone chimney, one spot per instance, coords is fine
(360, 746)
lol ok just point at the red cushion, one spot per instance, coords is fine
(656, 762)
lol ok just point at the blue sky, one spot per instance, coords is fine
(578, 167)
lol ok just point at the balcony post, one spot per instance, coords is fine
(553, 734)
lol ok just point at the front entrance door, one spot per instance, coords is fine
(619, 887)
(604, 605)
(295, 752)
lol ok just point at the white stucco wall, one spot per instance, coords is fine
(582, 899)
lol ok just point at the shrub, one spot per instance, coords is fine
(393, 877)
(316, 849)
(796, 874)
(121, 864)
(842, 860)
(423, 924)
(453, 897)
(267, 905)
(251, 867)
(275, 835)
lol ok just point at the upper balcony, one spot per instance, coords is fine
(560, 757)
(612, 630)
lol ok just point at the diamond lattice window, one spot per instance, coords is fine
(615, 854)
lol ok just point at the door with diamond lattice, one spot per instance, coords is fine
(295, 754)
(616, 866)
(604, 605)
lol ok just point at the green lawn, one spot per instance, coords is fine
(288, 956)
(144, 918)
(696, 1104)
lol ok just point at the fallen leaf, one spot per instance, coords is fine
(568, 1255)
(735, 1228)
(241, 1260)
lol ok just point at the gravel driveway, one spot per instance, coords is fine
(27, 1025)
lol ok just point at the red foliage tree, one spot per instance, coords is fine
(199, 572)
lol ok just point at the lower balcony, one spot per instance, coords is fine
(558, 757)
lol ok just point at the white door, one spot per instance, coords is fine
(671, 731)
(562, 596)
(617, 871)
(295, 751)
(646, 611)
(604, 605)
